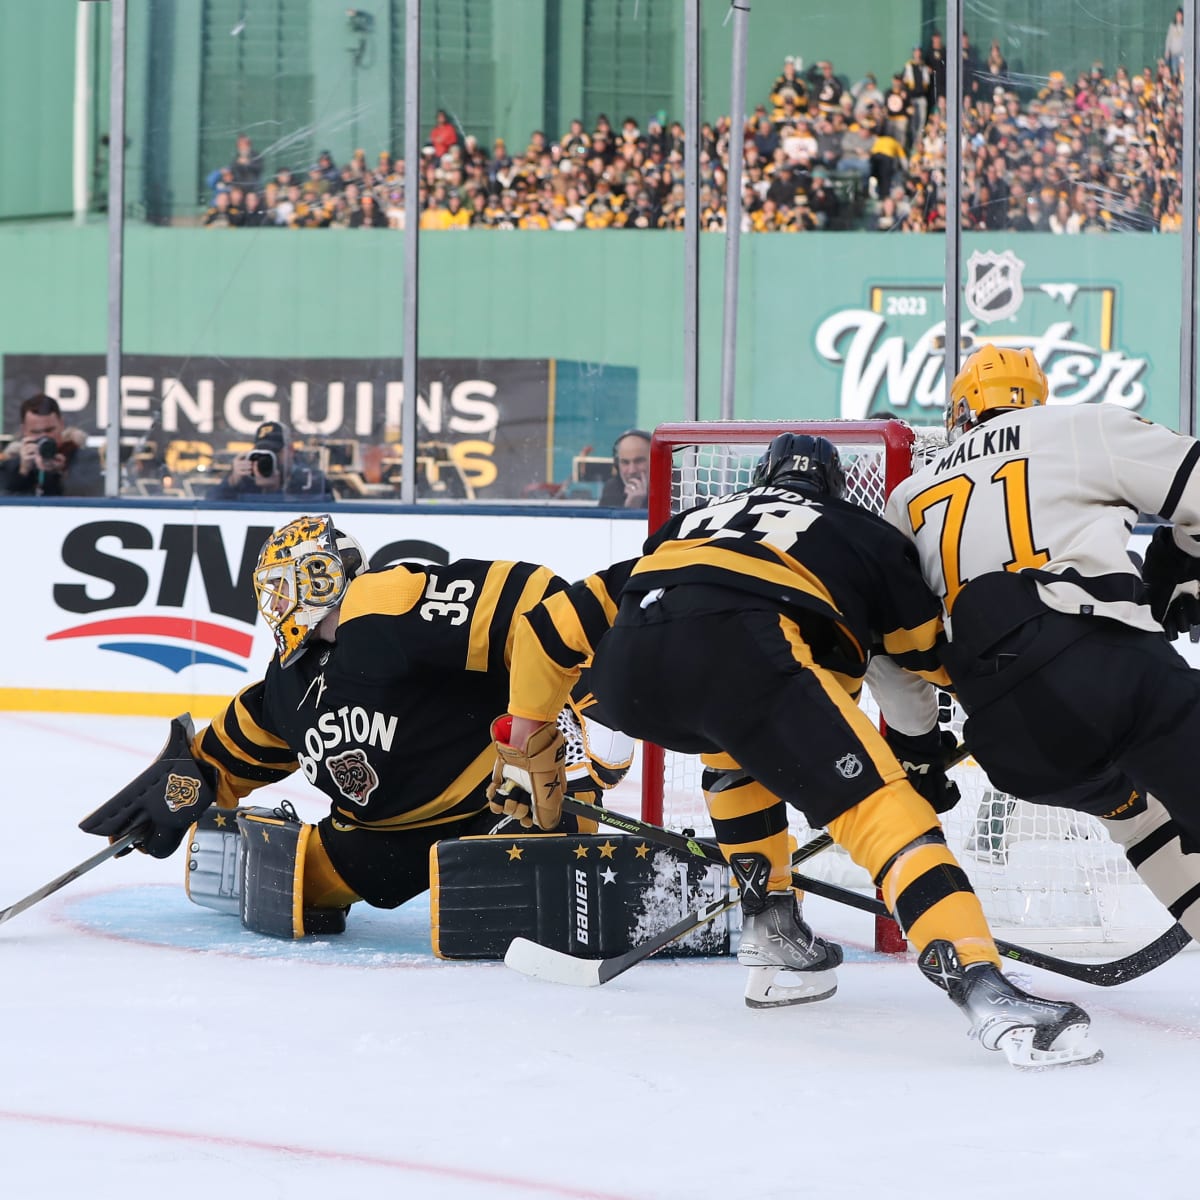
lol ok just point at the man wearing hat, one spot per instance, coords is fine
(269, 471)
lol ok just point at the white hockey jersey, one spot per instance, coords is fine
(1054, 491)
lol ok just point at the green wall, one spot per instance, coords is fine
(613, 298)
(37, 72)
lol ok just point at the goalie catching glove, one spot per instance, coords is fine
(1172, 578)
(163, 800)
(528, 782)
(924, 759)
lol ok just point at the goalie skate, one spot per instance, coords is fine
(1032, 1032)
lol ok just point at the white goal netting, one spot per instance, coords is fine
(1046, 877)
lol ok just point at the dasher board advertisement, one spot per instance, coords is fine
(138, 610)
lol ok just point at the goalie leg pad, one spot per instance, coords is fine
(1150, 839)
(274, 847)
(213, 875)
(590, 896)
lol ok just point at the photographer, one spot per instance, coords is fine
(271, 470)
(630, 483)
(49, 458)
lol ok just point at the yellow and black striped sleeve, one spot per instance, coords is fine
(912, 631)
(555, 639)
(461, 616)
(916, 650)
(242, 747)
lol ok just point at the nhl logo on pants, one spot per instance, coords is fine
(849, 765)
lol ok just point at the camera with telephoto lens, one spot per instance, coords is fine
(47, 448)
(264, 462)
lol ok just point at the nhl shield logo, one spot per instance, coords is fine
(849, 766)
(994, 288)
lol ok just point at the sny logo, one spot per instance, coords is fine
(171, 641)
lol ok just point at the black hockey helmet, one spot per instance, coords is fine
(804, 463)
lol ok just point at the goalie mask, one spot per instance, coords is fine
(994, 380)
(301, 577)
(803, 463)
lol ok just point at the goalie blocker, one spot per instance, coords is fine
(589, 896)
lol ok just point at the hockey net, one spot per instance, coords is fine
(1046, 877)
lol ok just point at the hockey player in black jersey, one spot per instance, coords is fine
(743, 634)
(1074, 696)
(381, 693)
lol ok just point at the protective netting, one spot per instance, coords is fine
(1045, 876)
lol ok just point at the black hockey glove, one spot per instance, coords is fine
(924, 761)
(163, 800)
(1172, 580)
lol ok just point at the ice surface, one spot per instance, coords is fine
(152, 1049)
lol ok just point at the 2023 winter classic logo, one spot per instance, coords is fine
(890, 357)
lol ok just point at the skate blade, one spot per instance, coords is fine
(1073, 1048)
(761, 991)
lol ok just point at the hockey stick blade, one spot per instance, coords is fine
(541, 962)
(110, 851)
(1107, 974)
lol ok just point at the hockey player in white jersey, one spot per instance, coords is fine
(1056, 643)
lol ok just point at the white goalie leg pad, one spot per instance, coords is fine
(1151, 843)
(213, 869)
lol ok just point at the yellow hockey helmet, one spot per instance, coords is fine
(994, 380)
(302, 575)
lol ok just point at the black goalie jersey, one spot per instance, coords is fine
(391, 721)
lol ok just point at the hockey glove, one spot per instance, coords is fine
(164, 799)
(1172, 578)
(528, 781)
(924, 761)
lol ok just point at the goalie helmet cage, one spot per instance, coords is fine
(1045, 876)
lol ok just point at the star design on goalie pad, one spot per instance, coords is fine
(581, 851)
(608, 875)
(266, 836)
(607, 850)
(642, 850)
(514, 853)
(220, 820)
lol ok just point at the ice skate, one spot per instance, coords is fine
(788, 963)
(1033, 1033)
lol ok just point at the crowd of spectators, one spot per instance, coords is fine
(1098, 154)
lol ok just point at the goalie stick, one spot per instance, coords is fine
(48, 889)
(541, 962)
(1107, 974)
